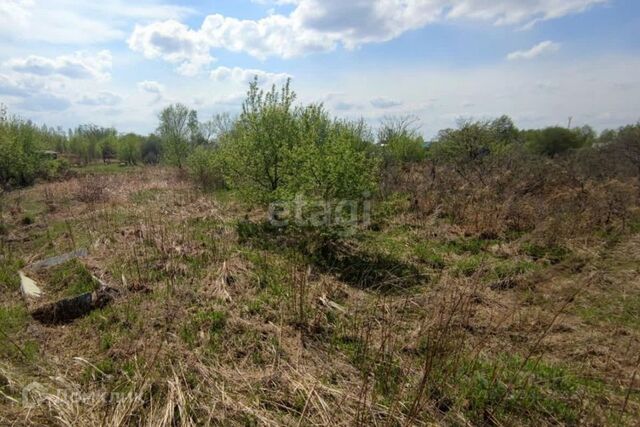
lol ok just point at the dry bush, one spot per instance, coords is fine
(520, 192)
(91, 189)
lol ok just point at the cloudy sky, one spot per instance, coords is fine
(118, 62)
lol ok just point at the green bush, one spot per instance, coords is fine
(204, 167)
(400, 141)
(22, 160)
(19, 160)
(130, 148)
(555, 140)
(276, 151)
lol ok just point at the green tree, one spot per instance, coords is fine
(256, 156)
(176, 130)
(276, 151)
(108, 147)
(400, 140)
(554, 140)
(129, 148)
(151, 150)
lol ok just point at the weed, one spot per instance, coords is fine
(473, 246)
(468, 266)
(539, 391)
(512, 268)
(428, 255)
(552, 253)
(71, 278)
(9, 272)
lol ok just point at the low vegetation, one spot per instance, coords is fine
(490, 276)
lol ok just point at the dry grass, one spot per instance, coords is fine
(212, 328)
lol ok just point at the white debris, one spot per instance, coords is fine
(28, 287)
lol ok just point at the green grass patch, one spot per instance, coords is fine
(212, 321)
(472, 246)
(467, 267)
(9, 267)
(146, 196)
(13, 318)
(537, 392)
(512, 268)
(105, 169)
(430, 256)
(71, 279)
(616, 309)
(554, 254)
(101, 371)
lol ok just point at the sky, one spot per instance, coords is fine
(119, 62)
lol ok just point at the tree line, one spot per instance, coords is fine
(276, 148)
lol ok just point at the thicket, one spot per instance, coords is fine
(488, 177)
(22, 152)
(493, 180)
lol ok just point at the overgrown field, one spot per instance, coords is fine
(221, 319)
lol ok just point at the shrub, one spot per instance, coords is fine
(555, 140)
(277, 151)
(151, 150)
(400, 140)
(179, 131)
(205, 169)
(129, 150)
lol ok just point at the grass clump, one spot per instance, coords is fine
(9, 267)
(512, 390)
(13, 318)
(430, 256)
(472, 246)
(616, 309)
(467, 267)
(213, 322)
(554, 254)
(71, 279)
(512, 268)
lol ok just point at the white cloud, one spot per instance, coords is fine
(80, 65)
(154, 88)
(540, 49)
(101, 99)
(10, 87)
(32, 94)
(79, 23)
(151, 86)
(174, 42)
(323, 25)
(385, 103)
(243, 76)
(518, 12)
(489, 91)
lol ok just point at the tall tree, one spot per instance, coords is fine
(176, 131)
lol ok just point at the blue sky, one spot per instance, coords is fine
(117, 62)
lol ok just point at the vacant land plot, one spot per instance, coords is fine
(220, 319)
